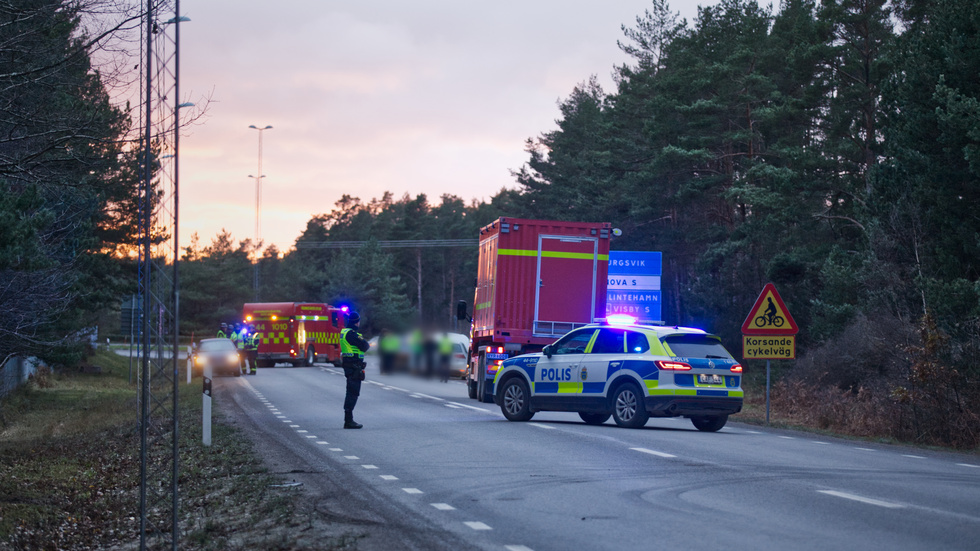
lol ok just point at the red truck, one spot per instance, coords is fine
(298, 333)
(536, 281)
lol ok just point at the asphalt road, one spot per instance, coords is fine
(443, 471)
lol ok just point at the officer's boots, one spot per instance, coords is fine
(349, 422)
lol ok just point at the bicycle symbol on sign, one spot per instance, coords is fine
(769, 317)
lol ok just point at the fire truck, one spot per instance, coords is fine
(536, 281)
(298, 333)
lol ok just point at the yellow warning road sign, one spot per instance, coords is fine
(769, 316)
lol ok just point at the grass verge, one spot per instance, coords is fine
(69, 472)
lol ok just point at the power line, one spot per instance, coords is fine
(394, 244)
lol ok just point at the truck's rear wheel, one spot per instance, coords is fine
(481, 379)
(310, 356)
(471, 388)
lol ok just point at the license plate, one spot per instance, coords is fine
(710, 379)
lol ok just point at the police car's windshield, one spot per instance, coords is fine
(696, 346)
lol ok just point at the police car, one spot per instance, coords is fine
(626, 371)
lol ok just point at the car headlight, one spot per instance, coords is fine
(233, 357)
(199, 360)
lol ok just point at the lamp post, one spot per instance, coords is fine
(258, 180)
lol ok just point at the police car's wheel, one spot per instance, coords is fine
(628, 408)
(516, 400)
(710, 423)
(594, 418)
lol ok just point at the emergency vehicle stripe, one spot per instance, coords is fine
(651, 385)
(572, 388)
(550, 254)
(482, 305)
(593, 388)
(546, 387)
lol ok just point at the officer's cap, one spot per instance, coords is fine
(353, 318)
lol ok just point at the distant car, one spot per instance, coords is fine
(628, 372)
(220, 354)
(461, 348)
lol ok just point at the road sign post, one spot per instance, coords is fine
(206, 409)
(769, 333)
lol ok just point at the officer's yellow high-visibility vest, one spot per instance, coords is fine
(346, 348)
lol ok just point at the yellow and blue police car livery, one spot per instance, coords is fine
(626, 371)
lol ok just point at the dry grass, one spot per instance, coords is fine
(69, 474)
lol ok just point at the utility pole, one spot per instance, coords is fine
(258, 197)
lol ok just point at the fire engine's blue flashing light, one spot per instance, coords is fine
(344, 308)
(620, 319)
(245, 331)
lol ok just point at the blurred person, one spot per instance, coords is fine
(430, 346)
(389, 344)
(222, 331)
(252, 349)
(352, 349)
(417, 343)
(238, 337)
(445, 356)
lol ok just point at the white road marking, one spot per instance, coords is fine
(311, 436)
(788, 437)
(517, 548)
(397, 388)
(336, 449)
(280, 416)
(321, 442)
(375, 383)
(451, 406)
(387, 388)
(369, 466)
(389, 477)
(429, 397)
(862, 499)
(477, 525)
(913, 456)
(351, 457)
(752, 432)
(443, 506)
(865, 449)
(819, 442)
(411, 490)
(472, 407)
(969, 465)
(293, 426)
(414, 396)
(540, 426)
(302, 431)
(651, 452)
(286, 421)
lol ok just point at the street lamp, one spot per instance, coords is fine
(258, 179)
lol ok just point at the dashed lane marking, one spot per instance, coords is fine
(322, 443)
(912, 456)
(294, 426)
(862, 499)
(388, 477)
(477, 525)
(411, 490)
(336, 449)
(452, 406)
(752, 432)
(311, 436)
(443, 506)
(865, 449)
(302, 431)
(517, 548)
(652, 452)
(351, 457)
(540, 426)
(369, 466)
(414, 396)
(429, 397)
(474, 408)
(787, 438)
(969, 465)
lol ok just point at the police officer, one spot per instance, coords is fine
(352, 349)
(445, 357)
(252, 349)
(238, 337)
(223, 332)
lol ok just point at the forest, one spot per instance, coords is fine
(831, 148)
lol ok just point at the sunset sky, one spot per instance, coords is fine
(430, 96)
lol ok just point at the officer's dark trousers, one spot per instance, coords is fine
(353, 375)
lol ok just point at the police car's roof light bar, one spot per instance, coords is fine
(620, 319)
